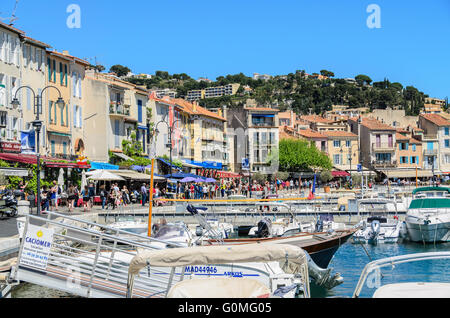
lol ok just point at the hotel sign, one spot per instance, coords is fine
(10, 147)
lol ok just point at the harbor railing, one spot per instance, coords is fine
(91, 260)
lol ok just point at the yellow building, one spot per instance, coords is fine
(342, 149)
(57, 120)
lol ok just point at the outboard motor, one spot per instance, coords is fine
(264, 228)
(375, 226)
(319, 226)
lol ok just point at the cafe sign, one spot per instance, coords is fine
(10, 147)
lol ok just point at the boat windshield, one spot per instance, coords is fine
(170, 231)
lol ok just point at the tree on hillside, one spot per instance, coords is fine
(120, 70)
(363, 79)
(326, 73)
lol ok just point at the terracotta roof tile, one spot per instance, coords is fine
(339, 134)
(436, 119)
(316, 119)
(309, 133)
(373, 124)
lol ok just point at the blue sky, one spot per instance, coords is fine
(212, 38)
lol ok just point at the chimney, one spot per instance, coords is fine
(194, 106)
(65, 52)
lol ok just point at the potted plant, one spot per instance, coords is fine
(325, 177)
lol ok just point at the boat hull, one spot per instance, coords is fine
(320, 246)
(418, 231)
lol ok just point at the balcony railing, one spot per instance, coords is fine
(430, 152)
(383, 147)
(429, 137)
(119, 109)
(384, 163)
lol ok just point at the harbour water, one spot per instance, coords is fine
(349, 260)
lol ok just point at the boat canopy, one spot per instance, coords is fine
(434, 203)
(223, 254)
(423, 189)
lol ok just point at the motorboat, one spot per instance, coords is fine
(378, 227)
(246, 271)
(371, 278)
(280, 226)
(428, 216)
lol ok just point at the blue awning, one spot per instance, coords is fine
(212, 165)
(168, 163)
(102, 166)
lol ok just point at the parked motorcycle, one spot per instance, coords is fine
(8, 204)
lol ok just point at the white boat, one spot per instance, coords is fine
(224, 229)
(371, 277)
(428, 216)
(377, 228)
(280, 226)
(241, 271)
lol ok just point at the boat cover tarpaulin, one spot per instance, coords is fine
(224, 254)
(220, 287)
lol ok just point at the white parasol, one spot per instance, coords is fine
(61, 177)
(103, 175)
(83, 179)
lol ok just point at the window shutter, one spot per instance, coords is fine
(40, 107)
(80, 113)
(43, 141)
(79, 85)
(74, 85)
(67, 115)
(28, 99)
(74, 111)
(49, 69)
(24, 53)
(1, 46)
(50, 111)
(54, 110)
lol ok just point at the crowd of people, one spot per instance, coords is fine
(113, 196)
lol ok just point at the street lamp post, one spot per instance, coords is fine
(169, 144)
(37, 124)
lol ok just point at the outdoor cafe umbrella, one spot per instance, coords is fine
(187, 179)
(61, 177)
(83, 179)
(103, 175)
(210, 180)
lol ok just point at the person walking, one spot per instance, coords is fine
(144, 194)
(71, 197)
(45, 199)
(85, 195)
(103, 195)
(91, 192)
(54, 196)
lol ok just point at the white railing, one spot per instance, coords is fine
(86, 261)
